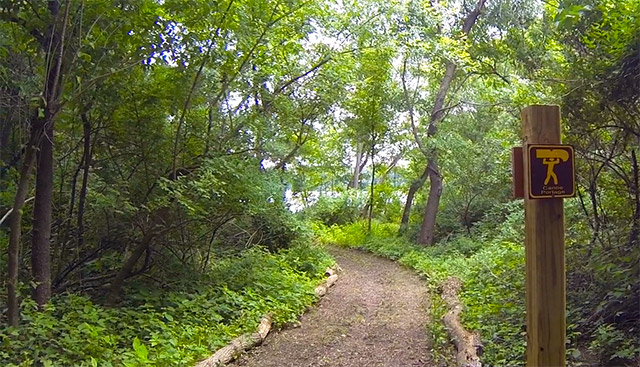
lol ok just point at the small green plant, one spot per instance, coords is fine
(612, 344)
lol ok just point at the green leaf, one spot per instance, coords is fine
(140, 349)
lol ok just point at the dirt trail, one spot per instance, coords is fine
(375, 315)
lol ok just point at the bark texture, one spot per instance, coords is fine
(41, 237)
(468, 345)
(427, 229)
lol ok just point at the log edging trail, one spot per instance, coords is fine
(468, 344)
(247, 341)
(375, 316)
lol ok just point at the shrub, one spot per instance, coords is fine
(344, 209)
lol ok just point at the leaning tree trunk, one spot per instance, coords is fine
(15, 228)
(413, 189)
(127, 269)
(433, 202)
(437, 114)
(435, 180)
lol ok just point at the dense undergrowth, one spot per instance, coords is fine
(490, 263)
(169, 328)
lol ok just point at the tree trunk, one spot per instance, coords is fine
(85, 177)
(635, 224)
(209, 130)
(63, 235)
(41, 237)
(433, 202)
(15, 227)
(435, 189)
(355, 182)
(465, 218)
(6, 127)
(116, 286)
(437, 114)
(413, 189)
(373, 176)
(6, 147)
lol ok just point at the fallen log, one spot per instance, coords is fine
(468, 345)
(322, 289)
(238, 345)
(249, 340)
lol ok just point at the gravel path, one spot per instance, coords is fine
(375, 315)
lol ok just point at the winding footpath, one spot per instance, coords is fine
(375, 316)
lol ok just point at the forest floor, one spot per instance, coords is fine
(375, 316)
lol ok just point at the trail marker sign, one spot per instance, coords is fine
(547, 175)
(551, 171)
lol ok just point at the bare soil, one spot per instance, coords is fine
(375, 316)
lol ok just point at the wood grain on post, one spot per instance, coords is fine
(544, 242)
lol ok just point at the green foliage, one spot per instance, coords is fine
(620, 345)
(343, 209)
(169, 328)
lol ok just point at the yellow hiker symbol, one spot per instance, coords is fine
(551, 157)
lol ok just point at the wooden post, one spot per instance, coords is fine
(517, 169)
(545, 263)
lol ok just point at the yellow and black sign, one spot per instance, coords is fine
(551, 171)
